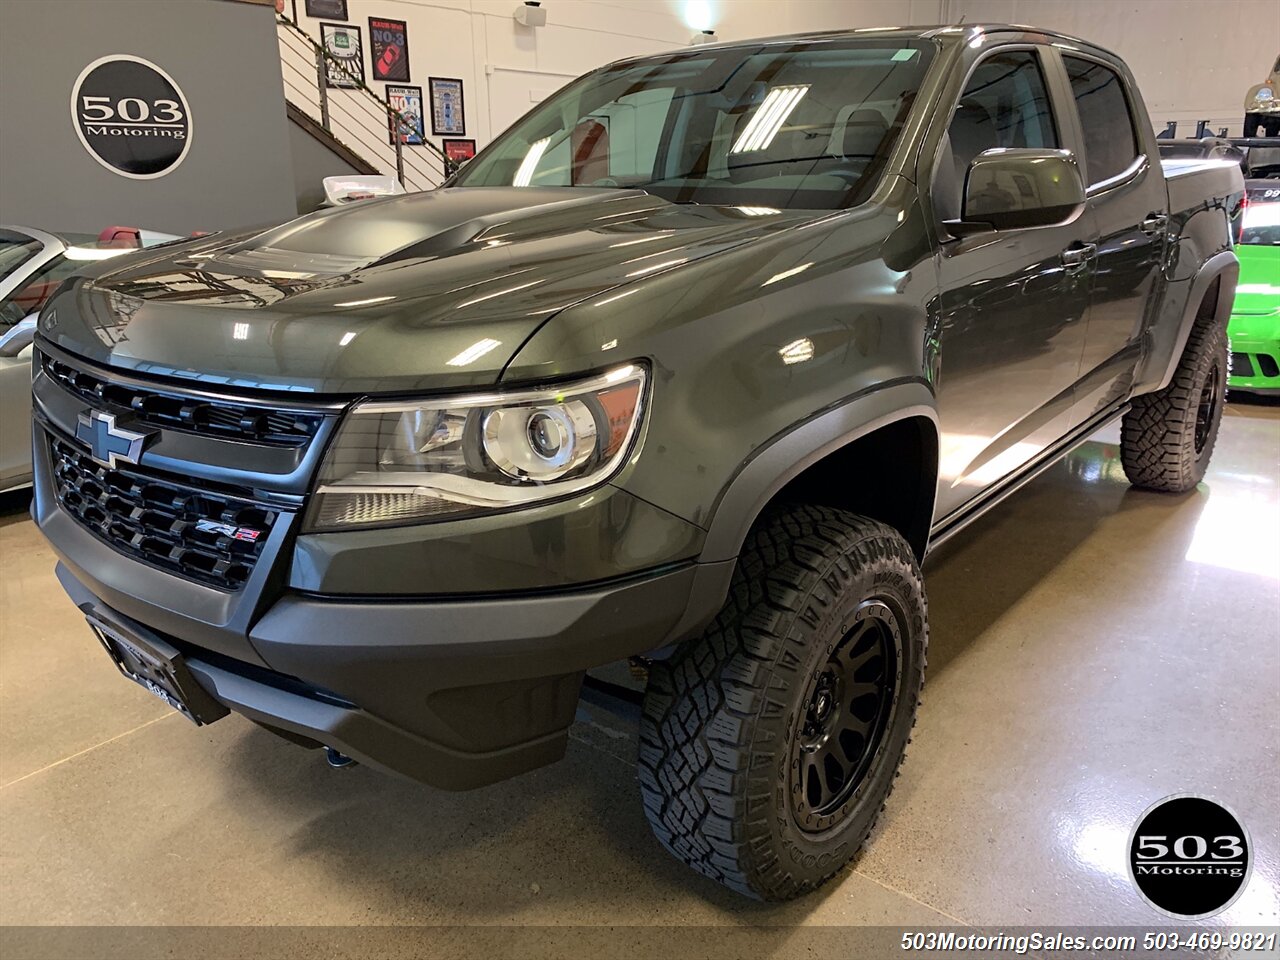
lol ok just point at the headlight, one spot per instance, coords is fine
(404, 462)
(1263, 95)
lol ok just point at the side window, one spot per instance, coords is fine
(35, 293)
(1110, 142)
(1004, 104)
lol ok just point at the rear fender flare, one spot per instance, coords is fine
(1224, 265)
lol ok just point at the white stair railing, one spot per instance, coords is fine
(353, 115)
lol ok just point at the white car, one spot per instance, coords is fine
(33, 263)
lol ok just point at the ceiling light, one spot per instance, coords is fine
(797, 351)
(530, 162)
(769, 118)
(473, 352)
(530, 14)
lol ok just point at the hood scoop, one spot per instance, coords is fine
(286, 264)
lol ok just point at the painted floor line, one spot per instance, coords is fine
(81, 753)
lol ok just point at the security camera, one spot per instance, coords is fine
(531, 14)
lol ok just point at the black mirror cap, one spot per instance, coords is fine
(1015, 188)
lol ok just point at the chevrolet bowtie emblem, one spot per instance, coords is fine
(108, 444)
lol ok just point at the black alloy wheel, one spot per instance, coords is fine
(847, 712)
(1207, 408)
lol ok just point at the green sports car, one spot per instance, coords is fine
(1255, 317)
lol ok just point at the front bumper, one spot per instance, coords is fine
(456, 694)
(455, 691)
(1255, 361)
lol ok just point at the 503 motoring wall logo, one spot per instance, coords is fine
(131, 116)
(1189, 857)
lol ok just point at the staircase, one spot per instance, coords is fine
(351, 122)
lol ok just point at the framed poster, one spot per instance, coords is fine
(326, 9)
(459, 150)
(446, 107)
(389, 49)
(343, 44)
(408, 101)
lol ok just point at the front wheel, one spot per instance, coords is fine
(1167, 437)
(769, 746)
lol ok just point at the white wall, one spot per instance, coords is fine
(506, 68)
(1193, 59)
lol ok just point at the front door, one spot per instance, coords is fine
(1010, 321)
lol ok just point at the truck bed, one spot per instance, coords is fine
(1192, 181)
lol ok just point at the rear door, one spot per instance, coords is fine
(1129, 206)
(1012, 311)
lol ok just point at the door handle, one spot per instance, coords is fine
(1077, 255)
(1155, 223)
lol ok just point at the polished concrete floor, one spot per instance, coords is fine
(1095, 648)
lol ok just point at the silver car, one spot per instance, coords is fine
(33, 263)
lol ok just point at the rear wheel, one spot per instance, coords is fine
(769, 746)
(1167, 437)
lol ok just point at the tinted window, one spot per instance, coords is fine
(35, 293)
(1004, 104)
(1261, 222)
(804, 127)
(15, 250)
(1110, 143)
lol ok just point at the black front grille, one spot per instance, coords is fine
(1241, 365)
(1267, 365)
(176, 411)
(156, 520)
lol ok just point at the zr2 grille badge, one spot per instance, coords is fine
(248, 534)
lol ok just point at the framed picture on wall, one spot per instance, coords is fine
(446, 107)
(325, 9)
(459, 150)
(389, 49)
(408, 101)
(343, 43)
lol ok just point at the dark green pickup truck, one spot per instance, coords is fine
(691, 366)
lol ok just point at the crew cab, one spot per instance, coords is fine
(691, 366)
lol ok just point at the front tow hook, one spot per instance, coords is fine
(339, 761)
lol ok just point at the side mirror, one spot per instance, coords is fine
(18, 337)
(1014, 188)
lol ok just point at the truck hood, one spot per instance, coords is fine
(427, 291)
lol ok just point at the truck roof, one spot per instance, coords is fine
(960, 31)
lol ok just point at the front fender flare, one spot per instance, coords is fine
(790, 453)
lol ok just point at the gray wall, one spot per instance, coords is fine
(224, 57)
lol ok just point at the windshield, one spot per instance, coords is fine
(1261, 223)
(15, 250)
(806, 126)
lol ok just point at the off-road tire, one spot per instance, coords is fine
(719, 719)
(1158, 439)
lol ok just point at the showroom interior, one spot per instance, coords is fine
(1094, 645)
